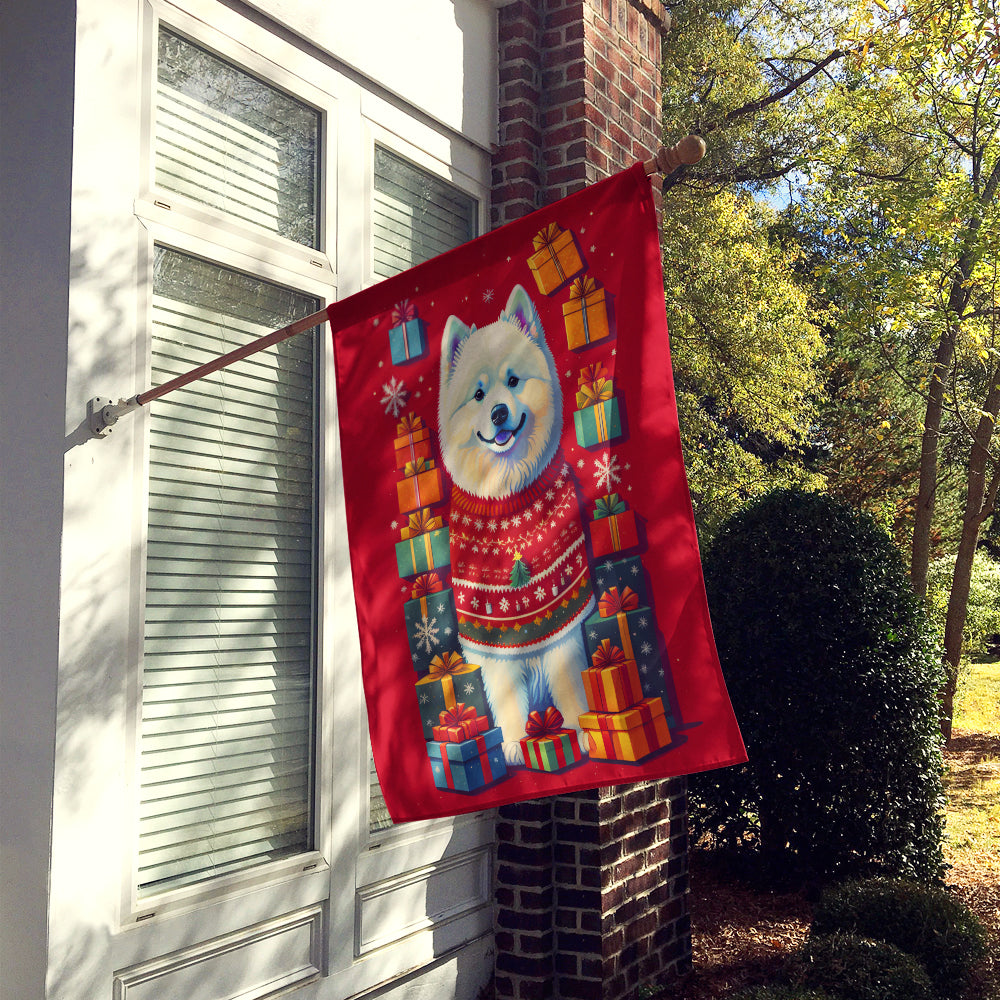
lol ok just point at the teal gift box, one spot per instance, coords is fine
(469, 765)
(598, 423)
(451, 680)
(407, 335)
(431, 627)
(621, 573)
(424, 552)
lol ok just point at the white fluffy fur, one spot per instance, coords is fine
(483, 361)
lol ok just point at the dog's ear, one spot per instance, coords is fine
(455, 335)
(521, 311)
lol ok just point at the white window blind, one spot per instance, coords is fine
(230, 141)
(416, 216)
(228, 659)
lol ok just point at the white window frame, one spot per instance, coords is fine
(350, 872)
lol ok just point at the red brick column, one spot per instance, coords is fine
(591, 889)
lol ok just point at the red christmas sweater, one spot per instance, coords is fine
(541, 527)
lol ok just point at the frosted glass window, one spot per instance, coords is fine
(226, 139)
(228, 679)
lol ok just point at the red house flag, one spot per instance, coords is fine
(529, 594)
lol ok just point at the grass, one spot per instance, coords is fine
(743, 934)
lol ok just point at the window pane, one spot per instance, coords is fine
(228, 656)
(417, 215)
(228, 140)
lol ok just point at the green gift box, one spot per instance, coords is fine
(431, 627)
(621, 573)
(598, 423)
(424, 552)
(450, 681)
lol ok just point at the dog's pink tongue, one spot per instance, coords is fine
(503, 437)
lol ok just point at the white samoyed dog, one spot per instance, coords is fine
(518, 554)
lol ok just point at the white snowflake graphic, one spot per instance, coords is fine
(504, 604)
(491, 527)
(646, 649)
(606, 471)
(425, 634)
(395, 396)
(540, 592)
(424, 698)
(475, 603)
(592, 634)
(488, 295)
(643, 622)
(579, 463)
(469, 688)
(635, 569)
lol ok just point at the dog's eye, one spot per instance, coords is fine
(512, 381)
(479, 395)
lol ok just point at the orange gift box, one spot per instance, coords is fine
(421, 485)
(630, 735)
(612, 683)
(413, 440)
(556, 258)
(586, 314)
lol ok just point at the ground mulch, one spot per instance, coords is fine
(742, 934)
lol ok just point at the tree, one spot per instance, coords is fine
(914, 186)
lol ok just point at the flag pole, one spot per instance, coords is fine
(103, 413)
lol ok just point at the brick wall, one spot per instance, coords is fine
(591, 889)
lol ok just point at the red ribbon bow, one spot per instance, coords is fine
(446, 663)
(612, 603)
(589, 374)
(458, 715)
(403, 312)
(426, 583)
(544, 725)
(607, 655)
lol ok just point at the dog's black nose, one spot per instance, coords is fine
(499, 414)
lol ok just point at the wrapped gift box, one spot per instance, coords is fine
(598, 424)
(621, 573)
(408, 334)
(613, 528)
(431, 625)
(420, 486)
(585, 314)
(547, 745)
(451, 681)
(627, 736)
(556, 258)
(460, 723)
(621, 619)
(612, 683)
(424, 552)
(469, 765)
(594, 385)
(413, 441)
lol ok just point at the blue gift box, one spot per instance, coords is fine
(469, 765)
(408, 341)
(621, 573)
(431, 627)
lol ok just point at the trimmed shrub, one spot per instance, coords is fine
(834, 674)
(856, 968)
(924, 921)
(782, 993)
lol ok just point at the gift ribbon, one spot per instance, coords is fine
(544, 725)
(613, 604)
(592, 373)
(418, 466)
(598, 391)
(544, 240)
(410, 424)
(426, 584)
(428, 549)
(403, 312)
(610, 503)
(607, 655)
(582, 287)
(421, 522)
(457, 724)
(441, 669)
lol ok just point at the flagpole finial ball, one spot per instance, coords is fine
(688, 151)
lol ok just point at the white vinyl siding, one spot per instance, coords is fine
(416, 216)
(228, 664)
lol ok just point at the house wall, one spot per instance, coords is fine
(409, 912)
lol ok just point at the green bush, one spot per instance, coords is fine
(782, 993)
(925, 922)
(833, 673)
(856, 968)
